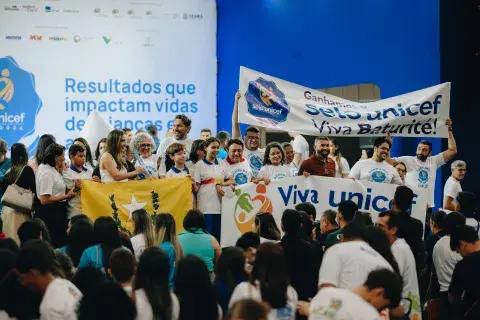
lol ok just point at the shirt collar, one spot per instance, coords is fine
(210, 163)
(178, 171)
(230, 161)
(72, 167)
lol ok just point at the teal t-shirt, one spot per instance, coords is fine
(167, 246)
(93, 257)
(199, 244)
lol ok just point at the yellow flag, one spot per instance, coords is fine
(120, 199)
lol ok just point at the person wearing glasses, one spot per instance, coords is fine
(143, 146)
(402, 171)
(252, 152)
(452, 186)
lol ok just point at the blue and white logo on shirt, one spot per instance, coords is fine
(423, 175)
(378, 175)
(240, 176)
(284, 313)
(279, 176)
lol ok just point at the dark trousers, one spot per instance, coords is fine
(427, 223)
(55, 218)
(214, 222)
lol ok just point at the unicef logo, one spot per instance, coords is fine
(266, 102)
(240, 178)
(422, 175)
(19, 102)
(378, 176)
(255, 162)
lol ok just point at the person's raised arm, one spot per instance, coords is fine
(452, 145)
(111, 168)
(297, 158)
(236, 134)
(390, 161)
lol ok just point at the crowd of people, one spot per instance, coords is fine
(58, 264)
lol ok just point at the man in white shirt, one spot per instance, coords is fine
(181, 127)
(376, 169)
(236, 165)
(452, 186)
(381, 290)
(422, 168)
(75, 174)
(389, 221)
(60, 297)
(252, 152)
(300, 147)
(347, 264)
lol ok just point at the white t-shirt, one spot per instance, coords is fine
(74, 204)
(144, 309)
(49, 181)
(245, 290)
(301, 147)
(452, 188)
(209, 174)
(348, 264)
(241, 171)
(275, 172)
(345, 169)
(473, 223)
(422, 174)
(444, 260)
(175, 173)
(60, 301)
(406, 264)
(341, 304)
(293, 169)
(255, 159)
(105, 176)
(162, 148)
(138, 244)
(371, 170)
(150, 165)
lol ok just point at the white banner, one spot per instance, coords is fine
(277, 104)
(238, 211)
(137, 63)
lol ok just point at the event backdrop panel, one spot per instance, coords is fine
(136, 62)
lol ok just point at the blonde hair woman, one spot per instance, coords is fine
(166, 239)
(143, 236)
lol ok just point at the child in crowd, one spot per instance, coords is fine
(178, 154)
(274, 167)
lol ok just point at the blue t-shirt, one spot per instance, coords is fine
(63, 249)
(199, 244)
(167, 246)
(93, 257)
(222, 154)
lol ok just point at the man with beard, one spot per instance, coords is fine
(252, 152)
(376, 169)
(235, 164)
(422, 169)
(319, 164)
(181, 127)
(452, 186)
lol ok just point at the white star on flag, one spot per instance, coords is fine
(133, 205)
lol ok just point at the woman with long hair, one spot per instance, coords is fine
(143, 146)
(267, 228)
(23, 176)
(210, 178)
(101, 148)
(274, 167)
(342, 168)
(197, 241)
(151, 287)
(107, 238)
(112, 163)
(195, 291)
(269, 283)
(143, 237)
(43, 143)
(166, 239)
(51, 191)
(89, 161)
(80, 237)
(230, 272)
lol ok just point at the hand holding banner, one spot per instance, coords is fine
(274, 103)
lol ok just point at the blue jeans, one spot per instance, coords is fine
(214, 222)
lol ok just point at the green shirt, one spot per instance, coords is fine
(333, 238)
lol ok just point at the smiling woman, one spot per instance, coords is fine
(142, 146)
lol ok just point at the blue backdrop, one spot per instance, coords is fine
(330, 43)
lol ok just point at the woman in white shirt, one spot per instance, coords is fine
(52, 193)
(143, 146)
(143, 238)
(151, 289)
(269, 284)
(273, 164)
(342, 168)
(112, 163)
